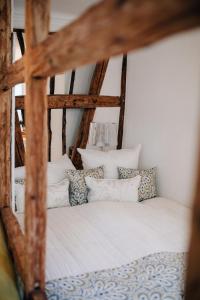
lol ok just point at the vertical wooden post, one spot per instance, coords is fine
(19, 144)
(88, 114)
(20, 38)
(122, 105)
(5, 105)
(64, 122)
(37, 27)
(51, 91)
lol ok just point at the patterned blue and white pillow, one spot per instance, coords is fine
(147, 188)
(77, 188)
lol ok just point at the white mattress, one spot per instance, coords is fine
(103, 235)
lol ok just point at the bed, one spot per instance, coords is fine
(106, 235)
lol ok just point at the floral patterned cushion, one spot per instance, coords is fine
(147, 188)
(78, 189)
(20, 181)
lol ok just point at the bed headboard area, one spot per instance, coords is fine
(86, 102)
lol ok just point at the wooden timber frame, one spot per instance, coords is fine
(88, 102)
(110, 28)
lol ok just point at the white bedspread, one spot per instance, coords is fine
(103, 235)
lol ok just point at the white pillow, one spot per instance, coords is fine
(57, 195)
(113, 189)
(55, 170)
(19, 173)
(64, 161)
(110, 160)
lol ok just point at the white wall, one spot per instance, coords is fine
(162, 111)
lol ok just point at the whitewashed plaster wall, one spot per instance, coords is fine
(163, 110)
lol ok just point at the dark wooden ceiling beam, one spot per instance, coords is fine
(75, 101)
(110, 28)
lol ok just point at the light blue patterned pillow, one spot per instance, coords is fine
(147, 188)
(77, 188)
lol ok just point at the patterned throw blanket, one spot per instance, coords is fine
(158, 276)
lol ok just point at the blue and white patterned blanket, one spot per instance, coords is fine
(158, 276)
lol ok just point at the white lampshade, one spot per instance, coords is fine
(103, 135)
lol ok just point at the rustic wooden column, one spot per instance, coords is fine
(88, 114)
(37, 27)
(64, 121)
(51, 91)
(5, 105)
(122, 105)
(19, 144)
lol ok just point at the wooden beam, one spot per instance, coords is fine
(122, 106)
(88, 114)
(20, 38)
(95, 89)
(51, 90)
(75, 101)
(19, 144)
(37, 27)
(5, 106)
(13, 75)
(5, 157)
(71, 88)
(110, 28)
(15, 238)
